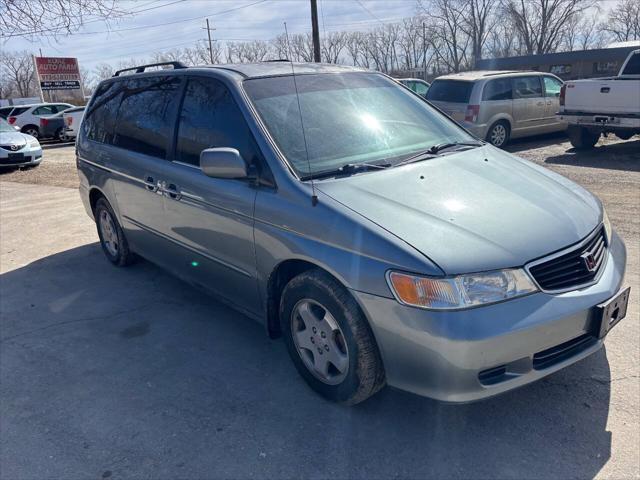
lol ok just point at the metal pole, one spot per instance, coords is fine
(315, 31)
(424, 50)
(210, 45)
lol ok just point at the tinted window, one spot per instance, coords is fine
(450, 91)
(527, 87)
(100, 121)
(419, 87)
(146, 116)
(45, 110)
(18, 111)
(61, 108)
(498, 89)
(211, 118)
(633, 66)
(552, 87)
(4, 112)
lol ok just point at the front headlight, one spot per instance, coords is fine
(462, 291)
(33, 143)
(607, 225)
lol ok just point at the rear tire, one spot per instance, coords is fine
(114, 243)
(582, 138)
(499, 133)
(323, 326)
(32, 130)
(61, 136)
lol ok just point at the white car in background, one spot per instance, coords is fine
(72, 119)
(27, 117)
(18, 149)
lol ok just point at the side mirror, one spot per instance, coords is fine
(223, 163)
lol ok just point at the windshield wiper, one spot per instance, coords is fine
(433, 151)
(346, 170)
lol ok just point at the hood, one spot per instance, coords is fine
(472, 211)
(13, 138)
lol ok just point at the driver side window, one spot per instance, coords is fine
(552, 87)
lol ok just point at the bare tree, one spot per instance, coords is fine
(247, 52)
(48, 18)
(623, 22)
(542, 23)
(449, 39)
(18, 71)
(477, 22)
(332, 45)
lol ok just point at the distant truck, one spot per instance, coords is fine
(603, 105)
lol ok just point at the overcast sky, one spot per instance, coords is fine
(233, 20)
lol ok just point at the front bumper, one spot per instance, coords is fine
(468, 355)
(31, 157)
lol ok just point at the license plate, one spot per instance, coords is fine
(612, 311)
(15, 158)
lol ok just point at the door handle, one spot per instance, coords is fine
(605, 90)
(171, 191)
(150, 184)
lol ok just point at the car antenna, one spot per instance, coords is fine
(314, 196)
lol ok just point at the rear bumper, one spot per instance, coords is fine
(602, 121)
(479, 130)
(473, 354)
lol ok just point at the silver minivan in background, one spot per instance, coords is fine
(385, 243)
(500, 105)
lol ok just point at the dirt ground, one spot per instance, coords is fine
(131, 373)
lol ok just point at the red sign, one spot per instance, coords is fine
(58, 73)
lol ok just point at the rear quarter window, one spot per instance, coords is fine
(18, 111)
(100, 120)
(498, 89)
(455, 91)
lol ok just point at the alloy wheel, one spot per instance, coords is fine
(498, 135)
(319, 341)
(32, 131)
(109, 233)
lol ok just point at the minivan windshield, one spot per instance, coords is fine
(454, 91)
(349, 118)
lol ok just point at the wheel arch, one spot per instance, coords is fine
(95, 194)
(29, 125)
(281, 274)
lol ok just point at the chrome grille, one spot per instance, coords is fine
(574, 268)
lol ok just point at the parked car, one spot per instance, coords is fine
(5, 111)
(415, 84)
(72, 121)
(53, 127)
(403, 251)
(500, 105)
(18, 149)
(27, 117)
(603, 105)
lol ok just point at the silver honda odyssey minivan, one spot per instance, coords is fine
(500, 105)
(383, 242)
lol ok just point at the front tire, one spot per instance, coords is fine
(499, 133)
(329, 339)
(582, 138)
(114, 243)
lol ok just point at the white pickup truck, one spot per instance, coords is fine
(595, 106)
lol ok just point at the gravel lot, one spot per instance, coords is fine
(129, 373)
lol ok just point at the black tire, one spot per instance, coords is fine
(120, 256)
(582, 138)
(31, 130)
(365, 372)
(499, 133)
(60, 135)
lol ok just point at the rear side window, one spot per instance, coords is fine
(18, 111)
(552, 87)
(419, 87)
(100, 120)
(527, 87)
(633, 65)
(146, 116)
(4, 112)
(45, 110)
(211, 118)
(498, 89)
(455, 91)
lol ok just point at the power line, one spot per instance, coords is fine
(368, 11)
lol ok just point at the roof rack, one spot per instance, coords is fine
(278, 60)
(142, 68)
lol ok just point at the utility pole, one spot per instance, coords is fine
(315, 31)
(424, 50)
(210, 45)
